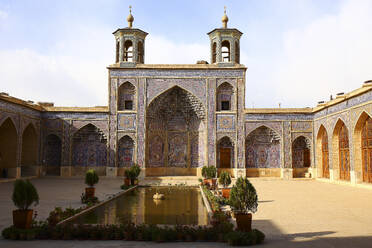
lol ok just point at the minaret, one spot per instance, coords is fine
(130, 44)
(225, 44)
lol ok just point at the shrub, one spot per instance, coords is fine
(243, 196)
(209, 172)
(91, 178)
(128, 173)
(24, 194)
(136, 170)
(224, 179)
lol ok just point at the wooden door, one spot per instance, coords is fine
(344, 157)
(366, 146)
(306, 157)
(225, 157)
(325, 161)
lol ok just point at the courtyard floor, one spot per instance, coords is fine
(297, 213)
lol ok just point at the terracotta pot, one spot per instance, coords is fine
(226, 193)
(89, 192)
(134, 181)
(214, 183)
(244, 221)
(126, 181)
(22, 218)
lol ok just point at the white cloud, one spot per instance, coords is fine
(331, 55)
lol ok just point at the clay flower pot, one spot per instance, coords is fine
(126, 181)
(226, 193)
(22, 218)
(244, 221)
(89, 192)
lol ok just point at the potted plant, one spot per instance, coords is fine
(91, 178)
(225, 180)
(244, 201)
(128, 176)
(209, 173)
(136, 170)
(24, 195)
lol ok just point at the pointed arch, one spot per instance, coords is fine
(128, 51)
(362, 144)
(214, 52)
(89, 147)
(52, 154)
(322, 152)
(341, 154)
(29, 155)
(125, 151)
(225, 153)
(262, 148)
(225, 97)
(140, 52)
(225, 51)
(301, 159)
(126, 96)
(8, 148)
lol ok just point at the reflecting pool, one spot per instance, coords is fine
(182, 205)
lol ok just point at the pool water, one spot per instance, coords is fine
(182, 205)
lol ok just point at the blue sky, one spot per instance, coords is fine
(297, 52)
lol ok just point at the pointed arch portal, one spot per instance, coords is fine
(175, 134)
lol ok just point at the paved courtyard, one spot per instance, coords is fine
(298, 213)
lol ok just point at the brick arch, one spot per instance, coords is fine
(322, 152)
(362, 151)
(301, 147)
(12, 119)
(8, 147)
(263, 148)
(89, 147)
(250, 127)
(126, 151)
(340, 151)
(225, 153)
(29, 151)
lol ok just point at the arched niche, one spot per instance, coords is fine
(52, 154)
(29, 155)
(8, 149)
(341, 153)
(225, 97)
(322, 153)
(125, 151)
(126, 97)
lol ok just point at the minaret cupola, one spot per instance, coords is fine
(225, 44)
(130, 44)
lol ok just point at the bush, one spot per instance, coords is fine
(243, 196)
(136, 170)
(224, 179)
(245, 238)
(209, 172)
(128, 174)
(24, 194)
(91, 178)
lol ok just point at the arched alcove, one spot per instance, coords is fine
(128, 51)
(30, 148)
(126, 97)
(225, 97)
(125, 151)
(52, 154)
(300, 156)
(8, 149)
(174, 133)
(322, 152)
(341, 154)
(225, 51)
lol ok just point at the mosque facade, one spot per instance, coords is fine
(174, 119)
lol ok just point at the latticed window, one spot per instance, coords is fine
(140, 52)
(237, 52)
(214, 52)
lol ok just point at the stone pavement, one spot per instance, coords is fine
(297, 213)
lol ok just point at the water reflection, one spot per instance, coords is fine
(182, 205)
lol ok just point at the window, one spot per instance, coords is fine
(225, 105)
(225, 51)
(237, 53)
(140, 53)
(128, 105)
(128, 51)
(214, 52)
(117, 51)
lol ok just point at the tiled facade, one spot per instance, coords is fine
(174, 119)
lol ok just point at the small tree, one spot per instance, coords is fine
(243, 196)
(24, 194)
(209, 172)
(128, 173)
(136, 170)
(91, 178)
(224, 179)
(205, 171)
